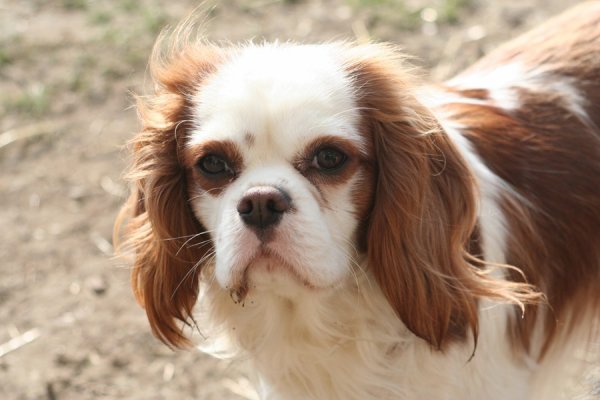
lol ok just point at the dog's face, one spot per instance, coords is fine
(282, 167)
(277, 166)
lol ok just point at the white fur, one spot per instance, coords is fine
(278, 95)
(504, 82)
(342, 341)
(347, 343)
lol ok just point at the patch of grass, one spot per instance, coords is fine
(393, 12)
(145, 22)
(132, 45)
(113, 73)
(112, 37)
(129, 42)
(154, 20)
(5, 57)
(34, 101)
(101, 17)
(79, 79)
(137, 57)
(451, 10)
(392, 4)
(74, 4)
(408, 16)
(78, 82)
(129, 5)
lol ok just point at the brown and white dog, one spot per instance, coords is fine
(358, 234)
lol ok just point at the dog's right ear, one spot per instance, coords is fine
(157, 223)
(424, 209)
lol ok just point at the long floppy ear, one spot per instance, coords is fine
(169, 243)
(424, 208)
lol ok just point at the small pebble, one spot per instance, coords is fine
(97, 284)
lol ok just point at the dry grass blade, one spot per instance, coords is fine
(19, 341)
(241, 387)
(29, 131)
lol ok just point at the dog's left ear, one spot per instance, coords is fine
(424, 207)
(169, 244)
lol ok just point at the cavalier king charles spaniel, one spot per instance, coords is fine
(358, 234)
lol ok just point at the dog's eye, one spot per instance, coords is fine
(213, 165)
(329, 159)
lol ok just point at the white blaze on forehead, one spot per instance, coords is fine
(284, 95)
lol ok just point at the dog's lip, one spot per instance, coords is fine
(240, 289)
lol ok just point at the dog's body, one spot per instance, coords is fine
(360, 277)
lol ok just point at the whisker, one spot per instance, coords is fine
(199, 195)
(354, 263)
(186, 242)
(187, 236)
(201, 243)
(192, 270)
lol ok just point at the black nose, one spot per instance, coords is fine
(262, 207)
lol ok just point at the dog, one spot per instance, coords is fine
(357, 233)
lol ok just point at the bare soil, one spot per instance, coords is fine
(69, 326)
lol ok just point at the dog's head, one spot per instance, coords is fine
(284, 167)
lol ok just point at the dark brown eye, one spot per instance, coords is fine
(214, 165)
(329, 159)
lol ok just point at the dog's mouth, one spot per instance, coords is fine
(271, 262)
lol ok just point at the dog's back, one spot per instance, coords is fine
(531, 111)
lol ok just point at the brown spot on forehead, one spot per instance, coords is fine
(249, 139)
(478, 94)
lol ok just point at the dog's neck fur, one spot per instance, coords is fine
(348, 344)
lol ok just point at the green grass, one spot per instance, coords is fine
(34, 101)
(5, 57)
(153, 20)
(451, 10)
(122, 29)
(408, 16)
(101, 17)
(75, 4)
(129, 5)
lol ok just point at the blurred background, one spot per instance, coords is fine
(69, 326)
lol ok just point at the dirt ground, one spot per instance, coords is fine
(69, 326)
